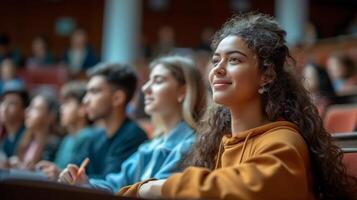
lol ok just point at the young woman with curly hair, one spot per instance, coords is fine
(263, 137)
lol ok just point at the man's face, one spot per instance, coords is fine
(98, 100)
(12, 109)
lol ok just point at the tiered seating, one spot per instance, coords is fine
(50, 77)
(341, 118)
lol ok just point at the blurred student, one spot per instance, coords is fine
(40, 141)
(166, 43)
(175, 98)
(266, 139)
(80, 56)
(8, 73)
(319, 84)
(74, 147)
(109, 90)
(14, 101)
(6, 50)
(41, 55)
(342, 71)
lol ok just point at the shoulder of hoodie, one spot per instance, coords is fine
(283, 135)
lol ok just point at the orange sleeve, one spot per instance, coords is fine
(278, 172)
(132, 190)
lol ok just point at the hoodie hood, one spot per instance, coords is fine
(246, 135)
(231, 141)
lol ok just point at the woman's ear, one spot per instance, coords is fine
(181, 94)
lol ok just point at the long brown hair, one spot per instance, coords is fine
(285, 98)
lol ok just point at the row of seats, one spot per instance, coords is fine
(341, 118)
(53, 77)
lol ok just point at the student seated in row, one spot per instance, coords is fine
(109, 90)
(14, 101)
(175, 99)
(41, 140)
(75, 145)
(263, 137)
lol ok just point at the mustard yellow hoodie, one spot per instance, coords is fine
(267, 162)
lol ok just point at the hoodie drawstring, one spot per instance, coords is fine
(244, 147)
(219, 155)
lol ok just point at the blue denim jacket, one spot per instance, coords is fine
(157, 158)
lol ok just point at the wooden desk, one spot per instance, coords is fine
(12, 189)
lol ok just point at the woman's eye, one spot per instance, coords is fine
(234, 60)
(215, 61)
(158, 80)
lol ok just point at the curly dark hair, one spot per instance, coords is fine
(285, 98)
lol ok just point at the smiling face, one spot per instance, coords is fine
(162, 92)
(234, 78)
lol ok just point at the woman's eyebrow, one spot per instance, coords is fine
(231, 52)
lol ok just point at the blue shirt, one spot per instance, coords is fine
(10, 144)
(158, 158)
(74, 147)
(107, 154)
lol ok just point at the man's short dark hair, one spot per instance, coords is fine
(74, 90)
(117, 75)
(13, 87)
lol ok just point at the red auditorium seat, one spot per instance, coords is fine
(53, 77)
(341, 118)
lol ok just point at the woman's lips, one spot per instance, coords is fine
(148, 100)
(221, 84)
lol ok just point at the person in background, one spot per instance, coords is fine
(202, 59)
(8, 73)
(75, 145)
(342, 71)
(263, 138)
(6, 51)
(166, 43)
(40, 141)
(41, 55)
(205, 40)
(175, 98)
(14, 101)
(318, 83)
(80, 56)
(109, 90)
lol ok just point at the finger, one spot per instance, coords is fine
(62, 175)
(65, 178)
(68, 179)
(73, 170)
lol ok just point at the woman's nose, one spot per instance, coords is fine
(146, 87)
(219, 70)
